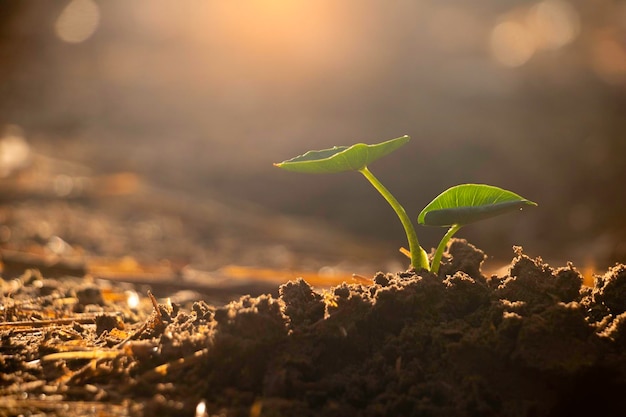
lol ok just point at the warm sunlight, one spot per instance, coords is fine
(158, 258)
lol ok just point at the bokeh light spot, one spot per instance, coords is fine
(609, 58)
(511, 44)
(554, 23)
(78, 21)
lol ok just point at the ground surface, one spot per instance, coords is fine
(534, 342)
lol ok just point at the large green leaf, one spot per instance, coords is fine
(467, 203)
(341, 158)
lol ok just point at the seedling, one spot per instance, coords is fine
(454, 208)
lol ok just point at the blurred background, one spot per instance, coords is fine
(194, 101)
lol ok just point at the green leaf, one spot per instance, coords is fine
(467, 203)
(341, 158)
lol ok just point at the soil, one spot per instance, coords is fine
(534, 342)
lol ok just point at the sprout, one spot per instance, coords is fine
(454, 208)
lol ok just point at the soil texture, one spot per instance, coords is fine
(534, 342)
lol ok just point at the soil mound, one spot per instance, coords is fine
(532, 343)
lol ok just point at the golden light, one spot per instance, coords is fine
(78, 21)
(239, 48)
(511, 44)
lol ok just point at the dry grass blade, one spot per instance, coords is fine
(54, 406)
(91, 319)
(82, 355)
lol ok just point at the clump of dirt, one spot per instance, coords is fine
(534, 342)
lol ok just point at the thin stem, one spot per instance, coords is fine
(419, 259)
(442, 246)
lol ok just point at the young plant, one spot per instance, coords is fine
(453, 208)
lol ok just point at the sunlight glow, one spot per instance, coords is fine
(78, 21)
(284, 42)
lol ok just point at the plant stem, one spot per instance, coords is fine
(419, 259)
(442, 245)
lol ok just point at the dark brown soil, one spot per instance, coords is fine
(532, 343)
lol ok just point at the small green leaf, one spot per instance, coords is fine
(341, 158)
(467, 203)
